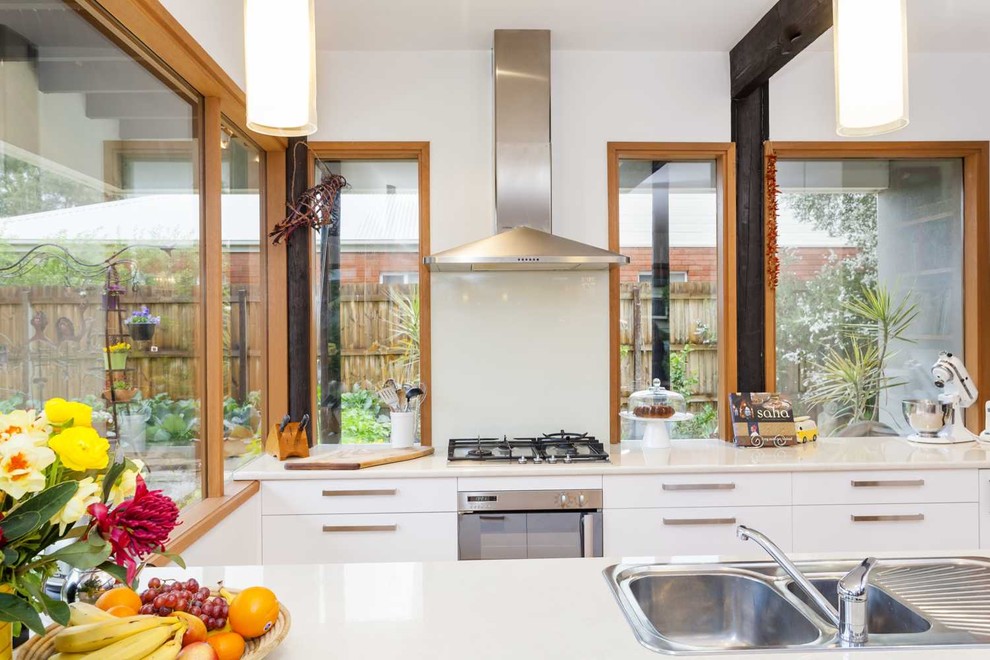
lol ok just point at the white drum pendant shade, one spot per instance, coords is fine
(280, 63)
(871, 70)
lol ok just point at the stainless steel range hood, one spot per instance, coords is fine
(524, 238)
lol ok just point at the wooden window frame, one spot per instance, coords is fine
(724, 156)
(420, 152)
(976, 241)
(149, 32)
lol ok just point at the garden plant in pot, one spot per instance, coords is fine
(66, 499)
(141, 324)
(115, 356)
(121, 392)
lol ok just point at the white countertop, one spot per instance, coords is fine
(550, 609)
(686, 456)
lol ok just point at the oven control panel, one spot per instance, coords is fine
(529, 500)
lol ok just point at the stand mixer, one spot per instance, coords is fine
(940, 422)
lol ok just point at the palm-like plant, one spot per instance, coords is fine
(855, 378)
(404, 324)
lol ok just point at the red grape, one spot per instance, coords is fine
(154, 583)
(203, 593)
(164, 611)
(147, 609)
(195, 610)
(159, 602)
(192, 584)
(147, 596)
(182, 604)
(170, 600)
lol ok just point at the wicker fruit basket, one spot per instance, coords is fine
(43, 647)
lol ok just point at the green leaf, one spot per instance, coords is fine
(10, 556)
(35, 512)
(83, 555)
(17, 609)
(174, 557)
(110, 480)
(57, 609)
(119, 572)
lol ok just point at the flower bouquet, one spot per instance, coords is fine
(115, 356)
(141, 324)
(63, 498)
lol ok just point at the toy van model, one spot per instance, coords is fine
(807, 429)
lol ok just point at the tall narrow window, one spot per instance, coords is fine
(871, 286)
(368, 297)
(669, 215)
(243, 299)
(100, 250)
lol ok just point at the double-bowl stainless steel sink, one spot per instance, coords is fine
(707, 608)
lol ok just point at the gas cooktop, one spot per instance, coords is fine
(562, 447)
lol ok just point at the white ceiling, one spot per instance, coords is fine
(657, 25)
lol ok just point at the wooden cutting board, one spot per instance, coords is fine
(355, 458)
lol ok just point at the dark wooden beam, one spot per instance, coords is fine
(299, 291)
(750, 129)
(788, 28)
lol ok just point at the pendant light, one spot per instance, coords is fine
(280, 63)
(871, 70)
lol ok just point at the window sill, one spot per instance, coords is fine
(199, 518)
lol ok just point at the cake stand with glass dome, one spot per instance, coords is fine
(655, 408)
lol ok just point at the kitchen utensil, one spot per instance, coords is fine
(304, 422)
(356, 458)
(389, 396)
(285, 422)
(413, 397)
(401, 395)
(925, 416)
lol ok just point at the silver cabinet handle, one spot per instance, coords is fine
(348, 493)
(890, 483)
(699, 521)
(729, 486)
(909, 517)
(359, 528)
(485, 516)
(588, 529)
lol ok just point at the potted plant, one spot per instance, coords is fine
(141, 324)
(71, 502)
(121, 391)
(111, 297)
(115, 356)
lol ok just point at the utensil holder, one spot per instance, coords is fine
(403, 429)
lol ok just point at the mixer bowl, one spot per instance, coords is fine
(926, 417)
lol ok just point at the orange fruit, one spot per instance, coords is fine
(122, 611)
(253, 612)
(228, 645)
(119, 596)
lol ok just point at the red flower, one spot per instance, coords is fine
(136, 528)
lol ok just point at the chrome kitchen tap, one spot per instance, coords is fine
(850, 619)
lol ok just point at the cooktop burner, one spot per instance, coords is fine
(563, 447)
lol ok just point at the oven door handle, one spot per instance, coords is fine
(588, 535)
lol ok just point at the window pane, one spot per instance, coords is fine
(367, 299)
(242, 301)
(668, 293)
(100, 207)
(850, 232)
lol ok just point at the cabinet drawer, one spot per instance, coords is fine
(693, 531)
(984, 509)
(694, 490)
(358, 496)
(886, 487)
(886, 527)
(359, 538)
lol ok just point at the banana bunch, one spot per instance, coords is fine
(125, 638)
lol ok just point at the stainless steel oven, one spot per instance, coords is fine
(529, 524)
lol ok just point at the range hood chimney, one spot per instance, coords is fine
(523, 238)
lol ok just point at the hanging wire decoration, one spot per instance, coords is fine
(45, 253)
(314, 207)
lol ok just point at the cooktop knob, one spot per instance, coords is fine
(537, 459)
(563, 500)
(552, 459)
(567, 459)
(522, 460)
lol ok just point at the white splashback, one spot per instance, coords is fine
(519, 353)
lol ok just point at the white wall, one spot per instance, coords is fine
(949, 95)
(520, 353)
(218, 25)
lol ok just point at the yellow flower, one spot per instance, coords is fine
(60, 412)
(26, 423)
(87, 492)
(120, 347)
(81, 448)
(21, 466)
(127, 484)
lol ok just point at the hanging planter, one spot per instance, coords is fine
(111, 297)
(141, 324)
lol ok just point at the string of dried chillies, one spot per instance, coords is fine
(313, 208)
(772, 192)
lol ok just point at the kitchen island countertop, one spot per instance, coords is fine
(686, 456)
(552, 609)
